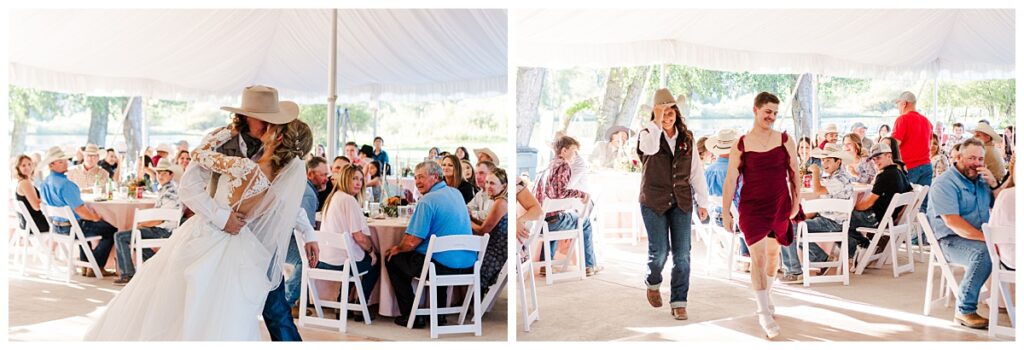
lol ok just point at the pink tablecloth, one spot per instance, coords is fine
(384, 235)
(119, 212)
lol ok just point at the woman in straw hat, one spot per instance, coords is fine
(607, 152)
(210, 281)
(993, 161)
(767, 205)
(672, 181)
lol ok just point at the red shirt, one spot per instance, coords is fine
(914, 132)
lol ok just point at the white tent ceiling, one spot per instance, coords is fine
(960, 44)
(383, 54)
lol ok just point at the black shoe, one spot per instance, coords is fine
(123, 280)
(418, 323)
(358, 316)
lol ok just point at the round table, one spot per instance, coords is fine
(386, 233)
(120, 211)
(406, 184)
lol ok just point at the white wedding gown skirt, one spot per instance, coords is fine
(204, 284)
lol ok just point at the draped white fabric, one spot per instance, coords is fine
(963, 44)
(383, 54)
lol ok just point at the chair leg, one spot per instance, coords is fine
(477, 314)
(415, 304)
(433, 311)
(362, 298)
(993, 305)
(343, 312)
(928, 287)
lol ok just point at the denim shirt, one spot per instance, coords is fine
(953, 193)
(58, 191)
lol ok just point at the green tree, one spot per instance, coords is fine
(26, 105)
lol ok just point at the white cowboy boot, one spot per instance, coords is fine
(764, 316)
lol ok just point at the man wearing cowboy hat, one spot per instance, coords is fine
(831, 181)
(890, 181)
(607, 152)
(260, 106)
(167, 199)
(486, 154)
(89, 173)
(59, 191)
(993, 161)
(831, 133)
(720, 145)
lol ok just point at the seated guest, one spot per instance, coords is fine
(110, 164)
(868, 212)
(830, 181)
(831, 133)
(607, 153)
(860, 168)
(993, 161)
(959, 203)
(433, 154)
(803, 154)
(556, 186)
(89, 173)
(452, 168)
(496, 224)
(381, 156)
(719, 145)
(58, 191)
(27, 193)
(344, 213)
(182, 160)
(373, 180)
(1003, 216)
(441, 212)
(481, 203)
(462, 153)
(940, 162)
(529, 210)
(365, 156)
(339, 164)
(162, 151)
(467, 175)
(860, 130)
(352, 153)
(486, 154)
(168, 199)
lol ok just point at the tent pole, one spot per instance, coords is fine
(332, 89)
(662, 76)
(935, 97)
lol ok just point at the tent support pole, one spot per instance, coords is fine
(332, 89)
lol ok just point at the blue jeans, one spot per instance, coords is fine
(566, 221)
(820, 224)
(922, 175)
(293, 285)
(123, 241)
(668, 231)
(92, 229)
(974, 256)
(369, 280)
(860, 219)
(277, 314)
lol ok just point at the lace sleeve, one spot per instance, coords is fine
(237, 169)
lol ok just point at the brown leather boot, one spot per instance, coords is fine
(972, 320)
(679, 313)
(654, 297)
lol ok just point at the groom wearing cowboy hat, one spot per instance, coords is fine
(260, 106)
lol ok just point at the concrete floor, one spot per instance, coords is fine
(611, 306)
(45, 309)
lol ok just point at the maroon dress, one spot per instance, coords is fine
(765, 200)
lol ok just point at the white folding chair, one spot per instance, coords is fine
(842, 238)
(1002, 278)
(949, 288)
(573, 235)
(915, 230)
(608, 208)
(429, 277)
(725, 245)
(172, 216)
(73, 241)
(898, 232)
(528, 293)
(29, 238)
(349, 274)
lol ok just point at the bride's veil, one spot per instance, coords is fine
(272, 220)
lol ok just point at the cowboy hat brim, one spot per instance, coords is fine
(287, 112)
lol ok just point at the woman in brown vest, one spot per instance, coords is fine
(672, 175)
(768, 204)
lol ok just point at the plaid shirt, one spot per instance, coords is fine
(168, 199)
(556, 185)
(85, 179)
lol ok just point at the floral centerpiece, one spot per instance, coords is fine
(627, 164)
(390, 207)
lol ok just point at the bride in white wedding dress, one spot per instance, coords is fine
(205, 283)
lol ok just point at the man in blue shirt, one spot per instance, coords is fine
(381, 156)
(720, 145)
(441, 212)
(58, 191)
(959, 202)
(316, 177)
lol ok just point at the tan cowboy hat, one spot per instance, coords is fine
(830, 129)
(721, 143)
(617, 129)
(878, 149)
(261, 102)
(163, 147)
(166, 165)
(832, 150)
(488, 152)
(52, 155)
(91, 149)
(987, 129)
(663, 96)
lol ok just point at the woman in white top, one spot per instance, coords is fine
(343, 213)
(1003, 215)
